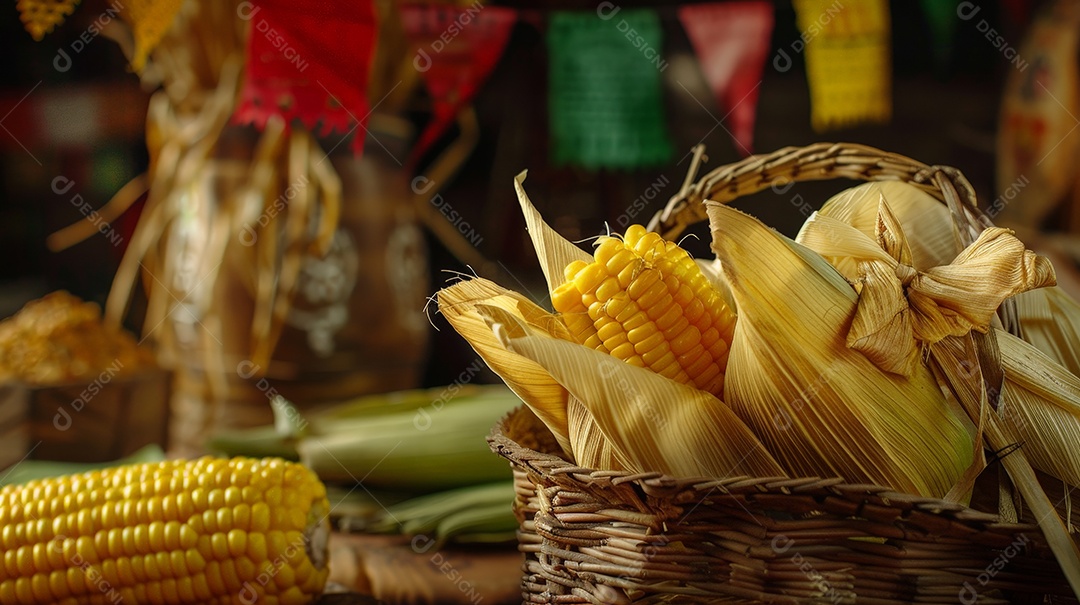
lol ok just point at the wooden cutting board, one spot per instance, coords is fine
(397, 569)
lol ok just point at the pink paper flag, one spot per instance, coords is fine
(731, 40)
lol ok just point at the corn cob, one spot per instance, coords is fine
(438, 446)
(203, 531)
(646, 302)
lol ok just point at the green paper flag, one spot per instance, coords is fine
(941, 15)
(605, 101)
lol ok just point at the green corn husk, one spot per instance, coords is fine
(426, 449)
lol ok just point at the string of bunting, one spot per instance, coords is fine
(308, 61)
(605, 101)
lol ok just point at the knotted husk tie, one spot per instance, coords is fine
(901, 309)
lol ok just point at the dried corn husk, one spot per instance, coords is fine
(462, 304)
(1050, 321)
(604, 412)
(1041, 404)
(901, 307)
(925, 220)
(1039, 397)
(821, 407)
(552, 250)
(652, 423)
(590, 446)
(1049, 317)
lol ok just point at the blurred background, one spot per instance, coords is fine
(84, 124)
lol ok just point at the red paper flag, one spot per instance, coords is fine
(731, 40)
(308, 60)
(456, 49)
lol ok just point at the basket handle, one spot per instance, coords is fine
(817, 162)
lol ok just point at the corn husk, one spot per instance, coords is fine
(1039, 398)
(1050, 321)
(652, 423)
(950, 314)
(1049, 317)
(461, 305)
(590, 446)
(604, 412)
(932, 241)
(1041, 405)
(819, 406)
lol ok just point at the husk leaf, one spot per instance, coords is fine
(460, 304)
(821, 407)
(591, 448)
(1002, 436)
(652, 423)
(1038, 397)
(932, 238)
(901, 306)
(552, 250)
(1050, 321)
(1049, 317)
(1041, 405)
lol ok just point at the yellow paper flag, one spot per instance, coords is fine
(847, 60)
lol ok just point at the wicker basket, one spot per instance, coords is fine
(596, 536)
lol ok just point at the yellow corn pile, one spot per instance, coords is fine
(644, 301)
(204, 531)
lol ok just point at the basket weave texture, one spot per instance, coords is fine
(594, 536)
(597, 536)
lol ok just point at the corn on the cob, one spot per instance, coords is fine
(439, 446)
(645, 301)
(203, 531)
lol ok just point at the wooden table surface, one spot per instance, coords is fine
(402, 570)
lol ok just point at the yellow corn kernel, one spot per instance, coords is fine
(137, 532)
(645, 301)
